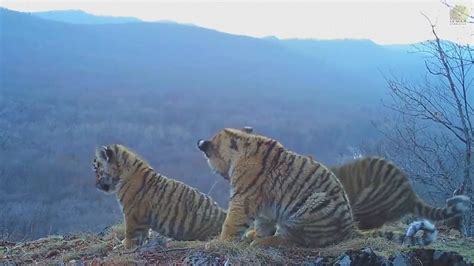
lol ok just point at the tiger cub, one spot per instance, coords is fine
(291, 199)
(379, 192)
(152, 201)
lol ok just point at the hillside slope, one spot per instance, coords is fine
(104, 248)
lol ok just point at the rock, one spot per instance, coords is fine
(319, 261)
(52, 253)
(437, 254)
(448, 258)
(344, 261)
(400, 260)
(428, 257)
(364, 257)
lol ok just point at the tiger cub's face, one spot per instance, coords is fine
(106, 169)
(221, 149)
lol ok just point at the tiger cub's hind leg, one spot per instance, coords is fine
(323, 219)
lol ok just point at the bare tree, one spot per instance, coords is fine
(436, 127)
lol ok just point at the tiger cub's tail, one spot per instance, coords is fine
(455, 206)
(409, 238)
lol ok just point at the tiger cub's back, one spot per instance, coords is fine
(379, 192)
(184, 213)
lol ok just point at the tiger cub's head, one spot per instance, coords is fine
(223, 148)
(106, 168)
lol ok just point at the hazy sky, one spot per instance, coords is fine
(385, 22)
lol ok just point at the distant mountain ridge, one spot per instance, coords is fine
(352, 56)
(81, 17)
(254, 60)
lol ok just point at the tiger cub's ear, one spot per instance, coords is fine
(106, 153)
(247, 129)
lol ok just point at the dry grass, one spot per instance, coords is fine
(107, 248)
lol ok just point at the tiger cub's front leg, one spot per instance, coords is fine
(238, 220)
(136, 231)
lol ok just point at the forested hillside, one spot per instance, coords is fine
(66, 88)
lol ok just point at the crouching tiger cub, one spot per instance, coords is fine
(291, 199)
(152, 201)
(379, 192)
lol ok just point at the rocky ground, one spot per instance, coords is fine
(105, 247)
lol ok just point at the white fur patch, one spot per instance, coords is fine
(463, 204)
(429, 231)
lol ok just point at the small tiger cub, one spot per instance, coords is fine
(291, 199)
(379, 192)
(150, 200)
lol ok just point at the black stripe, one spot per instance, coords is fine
(289, 189)
(262, 170)
(276, 158)
(372, 166)
(205, 217)
(194, 213)
(178, 210)
(280, 179)
(235, 180)
(166, 204)
(376, 192)
(215, 217)
(162, 194)
(233, 145)
(325, 188)
(124, 156)
(158, 185)
(135, 201)
(382, 206)
(140, 190)
(287, 178)
(390, 168)
(151, 183)
(274, 165)
(259, 143)
(326, 201)
(379, 168)
(307, 192)
(330, 213)
(139, 165)
(171, 207)
(124, 192)
(188, 211)
(335, 190)
(387, 189)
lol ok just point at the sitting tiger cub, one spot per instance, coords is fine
(291, 199)
(152, 201)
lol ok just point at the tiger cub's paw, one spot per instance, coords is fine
(250, 236)
(129, 244)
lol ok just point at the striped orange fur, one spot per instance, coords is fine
(379, 192)
(150, 200)
(290, 199)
